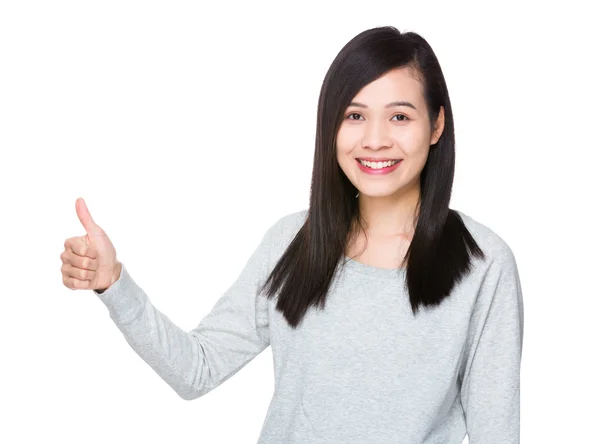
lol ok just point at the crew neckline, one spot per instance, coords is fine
(371, 270)
(383, 273)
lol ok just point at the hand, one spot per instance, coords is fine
(90, 261)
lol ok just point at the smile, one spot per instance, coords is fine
(378, 167)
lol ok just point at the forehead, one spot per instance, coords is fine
(397, 84)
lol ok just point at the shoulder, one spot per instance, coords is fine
(494, 246)
(292, 222)
(285, 228)
(498, 285)
(496, 249)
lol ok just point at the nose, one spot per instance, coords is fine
(376, 136)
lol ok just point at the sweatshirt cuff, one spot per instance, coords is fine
(124, 299)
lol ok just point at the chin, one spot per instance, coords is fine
(378, 193)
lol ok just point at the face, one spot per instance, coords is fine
(375, 129)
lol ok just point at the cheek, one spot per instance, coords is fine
(418, 159)
(345, 141)
(415, 143)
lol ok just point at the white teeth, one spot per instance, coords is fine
(378, 165)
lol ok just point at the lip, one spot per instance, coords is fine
(380, 171)
(376, 159)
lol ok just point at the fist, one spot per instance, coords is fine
(89, 262)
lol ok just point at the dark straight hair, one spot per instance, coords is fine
(439, 253)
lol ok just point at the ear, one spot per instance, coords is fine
(439, 127)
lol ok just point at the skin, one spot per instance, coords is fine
(89, 262)
(387, 202)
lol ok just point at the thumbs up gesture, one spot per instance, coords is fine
(90, 261)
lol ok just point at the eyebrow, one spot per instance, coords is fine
(389, 105)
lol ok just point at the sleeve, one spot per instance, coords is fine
(490, 389)
(227, 338)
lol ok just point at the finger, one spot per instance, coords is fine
(86, 248)
(91, 228)
(70, 242)
(81, 246)
(77, 273)
(76, 284)
(83, 262)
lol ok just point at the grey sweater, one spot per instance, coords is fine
(364, 370)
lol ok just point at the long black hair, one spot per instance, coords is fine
(439, 253)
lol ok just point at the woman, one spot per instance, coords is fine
(392, 318)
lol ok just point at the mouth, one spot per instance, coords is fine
(377, 164)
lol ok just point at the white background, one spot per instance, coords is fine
(189, 129)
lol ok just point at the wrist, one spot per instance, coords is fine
(117, 274)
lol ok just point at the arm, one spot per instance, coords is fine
(227, 338)
(490, 389)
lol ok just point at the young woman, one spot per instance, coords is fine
(391, 317)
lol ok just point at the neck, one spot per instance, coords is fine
(390, 215)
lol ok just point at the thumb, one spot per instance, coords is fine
(86, 219)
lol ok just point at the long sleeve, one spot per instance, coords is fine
(490, 390)
(227, 338)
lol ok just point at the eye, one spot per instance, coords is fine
(352, 114)
(351, 117)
